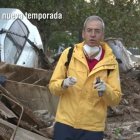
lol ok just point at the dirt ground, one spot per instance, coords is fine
(123, 121)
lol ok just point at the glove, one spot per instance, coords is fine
(2, 80)
(70, 81)
(101, 87)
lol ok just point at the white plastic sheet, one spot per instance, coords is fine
(121, 53)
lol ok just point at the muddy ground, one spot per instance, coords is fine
(123, 121)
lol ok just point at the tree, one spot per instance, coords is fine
(121, 17)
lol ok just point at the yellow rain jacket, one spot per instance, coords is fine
(80, 106)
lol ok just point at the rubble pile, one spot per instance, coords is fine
(14, 112)
(25, 104)
(123, 122)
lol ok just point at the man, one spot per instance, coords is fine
(83, 103)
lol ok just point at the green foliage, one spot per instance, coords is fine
(121, 18)
(117, 131)
(58, 38)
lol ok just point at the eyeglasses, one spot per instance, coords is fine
(93, 31)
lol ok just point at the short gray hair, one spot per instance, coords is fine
(91, 18)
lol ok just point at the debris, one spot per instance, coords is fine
(29, 91)
(126, 116)
(21, 134)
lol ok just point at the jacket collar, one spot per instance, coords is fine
(108, 62)
(79, 54)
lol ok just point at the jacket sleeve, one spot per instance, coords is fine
(59, 75)
(113, 93)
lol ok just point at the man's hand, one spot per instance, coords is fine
(70, 81)
(101, 87)
(2, 80)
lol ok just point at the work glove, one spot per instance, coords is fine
(100, 86)
(70, 81)
(2, 80)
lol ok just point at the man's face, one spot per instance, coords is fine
(93, 33)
